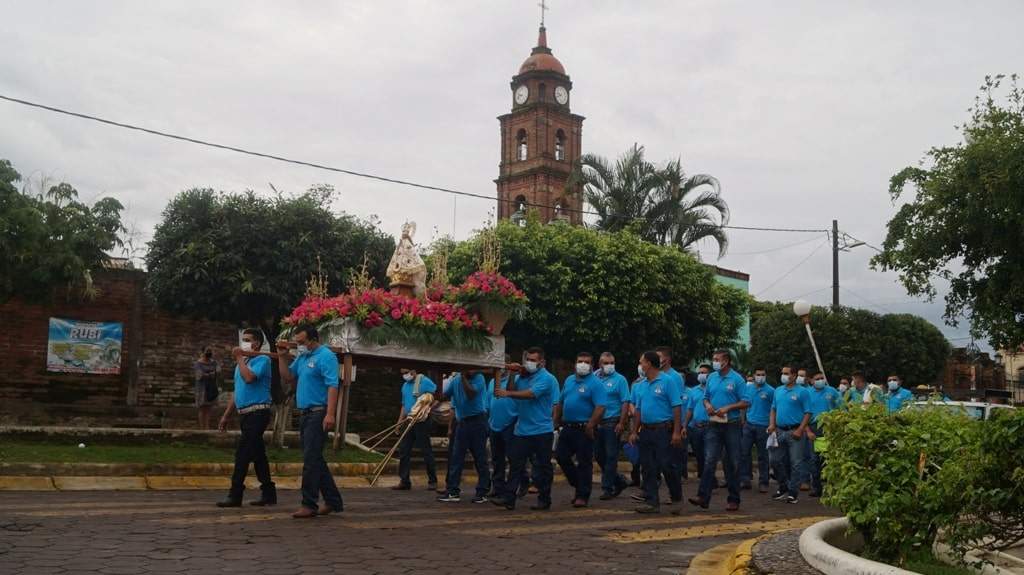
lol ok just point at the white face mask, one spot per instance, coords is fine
(843, 387)
(702, 378)
(716, 365)
(759, 379)
(640, 370)
(301, 349)
(800, 380)
(582, 369)
(893, 385)
(608, 369)
(784, 378)
(246, 346)
(407, 376)
(531, 366)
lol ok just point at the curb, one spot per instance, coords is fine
(181, 469)
(724, 559)
(831, 560)
(165, 482)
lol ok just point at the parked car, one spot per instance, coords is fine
(974, 409)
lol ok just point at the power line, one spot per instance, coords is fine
(869, 302)
(792, 269)
(333, 168)
(780, 248)
(879, 250)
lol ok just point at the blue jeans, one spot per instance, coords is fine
(501, 446)
(535, 448)
(606, 451)
(789, 461)
(815, 462)
(754, 435)
(576, 458)
(656, 461)
(695, 435)
(316, 477)
(719, 437)
(470, 435)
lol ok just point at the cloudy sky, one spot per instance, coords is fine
(803, 110)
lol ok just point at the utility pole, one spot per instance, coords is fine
(835, 265)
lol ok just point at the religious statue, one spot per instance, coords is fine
(407, 272)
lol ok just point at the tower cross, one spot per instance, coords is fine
(543, 8)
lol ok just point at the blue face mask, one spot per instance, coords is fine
(702, 378)
(759, 380)
(716, 365)
(893, 385)
(819, 384)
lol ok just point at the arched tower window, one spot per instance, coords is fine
(560, 146)
(560, 213)
(520, 203)
(521, 149)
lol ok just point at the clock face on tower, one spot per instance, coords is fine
(522, 93)
(561, 95)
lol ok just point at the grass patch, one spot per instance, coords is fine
(22, 451)
(928, 564)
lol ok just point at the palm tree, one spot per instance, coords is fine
(663, 205)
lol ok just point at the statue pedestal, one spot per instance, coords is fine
(406, 290)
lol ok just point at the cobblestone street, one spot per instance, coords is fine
(381, 531)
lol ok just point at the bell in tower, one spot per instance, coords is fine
(540, 142)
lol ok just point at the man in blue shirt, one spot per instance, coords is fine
(760, 395)
(790, 415)
(824, 398)
(468, 394)
(896, 397)
(724, 398)
(252, 400)
(658, 428)
(501, 421)
(616, 415)
(678, 453)
(577, 415)
(534, 430)
(696, 420)
(413, 386)
(315, 369)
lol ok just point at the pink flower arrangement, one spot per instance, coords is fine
(489, 287)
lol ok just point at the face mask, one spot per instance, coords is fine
(582, 369)
(716, 365)
(608, 369)
(702, 378)
(843, 387)
(407, 376)
(784, 378)
(301, 349)
(640, 370)
(246, 346)
(759, 379)
(893, 385)
(819, 384)
(800, 380)
(531, 366)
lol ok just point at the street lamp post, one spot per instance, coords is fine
(802, 310)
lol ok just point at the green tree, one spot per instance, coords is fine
(247, 258)
(597, 291)
(52, 240)
(850, 339)
(662, 204)
(965, 223)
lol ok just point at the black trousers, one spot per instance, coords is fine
(251, 449)
(419, 437)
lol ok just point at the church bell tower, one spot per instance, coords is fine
(540, 142)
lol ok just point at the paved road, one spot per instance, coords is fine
(381, 531)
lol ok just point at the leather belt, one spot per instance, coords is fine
(574, 424)
(314, 409)
(251, 408)
(662, 425)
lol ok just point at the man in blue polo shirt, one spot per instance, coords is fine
(468, 393)
(696, 420)
(657, 429)
(678, 453)
(315, 368)
(724, 398)
(824, 398)
(413, 386)
(253, 403)
(534, 430)
(896, 397)
(577, 415)
(616, 416)
(760, 395)
(790, 415)
(501, 420)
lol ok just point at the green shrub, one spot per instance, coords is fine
(889, 474)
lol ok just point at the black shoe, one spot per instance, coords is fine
(540, 507)
(606, 496)
(230, 502)
(450, 498)
(432, 486)
(746, 486)
(265, 500)
(791, 499)
(780, 495)
(507, 504)
(647, 508)
(638, 497)
(698, 502)
(480, 499)
(402, 487)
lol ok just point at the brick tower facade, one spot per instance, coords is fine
(540, 141)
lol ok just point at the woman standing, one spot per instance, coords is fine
(206, 372)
